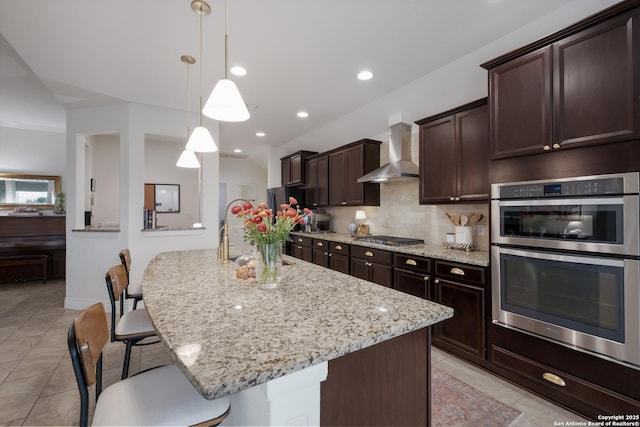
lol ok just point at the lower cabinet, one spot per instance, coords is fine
(373, 265)
(412, 275)
(302, 248)
(321, 252)
(461, 287)
(339, 257)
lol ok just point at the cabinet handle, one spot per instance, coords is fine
(327, 253)
(300, 240)
(451, 198)
(457, 199)
(546, 147)
(426, 278)
(436, 281)
(458, 271)
(410, 262)
(319, 244)
(343, 203)
(556, 146)
(553, 378)
(338, 247)
(330, 254)
(299, 247)
(368, 253)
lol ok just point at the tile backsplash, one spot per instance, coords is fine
(400, 214)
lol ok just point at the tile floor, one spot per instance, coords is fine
(37, 384)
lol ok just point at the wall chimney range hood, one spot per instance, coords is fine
(400, 167)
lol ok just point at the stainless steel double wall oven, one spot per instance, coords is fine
(565, 262)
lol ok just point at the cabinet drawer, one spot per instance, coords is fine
(339, 248)
(302, 241)
(375, 255)
(562, 387)
(411, 262)
(321, 244)
(461, 272)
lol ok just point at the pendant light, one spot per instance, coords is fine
(225, 102)
(188, 158)
(201, 140)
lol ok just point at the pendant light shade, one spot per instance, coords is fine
(201, 141)
(225, 103)
(188, 159)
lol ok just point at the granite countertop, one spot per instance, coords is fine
(479, 258)
(231, 334)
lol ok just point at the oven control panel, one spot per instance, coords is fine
(564, 188)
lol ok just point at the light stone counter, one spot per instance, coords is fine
(479, 258)
(248, 336)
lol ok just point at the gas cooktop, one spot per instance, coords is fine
(390, 240)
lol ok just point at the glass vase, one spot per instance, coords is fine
(268, 269)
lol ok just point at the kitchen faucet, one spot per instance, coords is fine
(223, 246)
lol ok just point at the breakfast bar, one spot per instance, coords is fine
(321, 348)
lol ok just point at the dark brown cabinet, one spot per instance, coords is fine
(293, 168)
(412, 275)
(454, 155)
(318, 181)
(461, 287)
(573, 89)
(321, 252)
(348, 164)
(339, 257)
(302, 248)
(373, 265)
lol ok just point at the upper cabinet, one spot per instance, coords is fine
(346, 165)
(318, 181)
(454, 155)
(294, 168)
(575, 88)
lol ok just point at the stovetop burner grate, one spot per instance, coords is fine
(390, 240)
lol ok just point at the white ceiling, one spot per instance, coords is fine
(300, 54)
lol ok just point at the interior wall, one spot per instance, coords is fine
(105, 166)
(237, 173)
(160, 168)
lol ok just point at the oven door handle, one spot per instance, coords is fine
(617, 200)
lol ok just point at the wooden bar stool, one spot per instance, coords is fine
(134, 290)
(132, 327)
(160, 396)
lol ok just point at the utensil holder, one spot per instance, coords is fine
(464, 235)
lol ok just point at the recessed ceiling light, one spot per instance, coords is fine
(303, 114)
(238, 71)
(237, 150)
(260, 134)
(365, 75)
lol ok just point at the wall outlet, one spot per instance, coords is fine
(480, 229)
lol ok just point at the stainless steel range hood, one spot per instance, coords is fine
(400, 167)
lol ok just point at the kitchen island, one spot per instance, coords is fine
(271, 349)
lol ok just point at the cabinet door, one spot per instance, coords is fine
(360, 268)
(312, 182)
(296, 250)
(472, 135)
(322, 185)
(595, 84)
(296, 169)
(336, 179)
(286, 170)
(466, 330)
(411, 283)
(307, 254)
(321, 257)
(353, 169)
(520, 105)
(438, 161)
(339, 262)
(381, 274)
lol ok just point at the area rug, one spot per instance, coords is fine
(456, 404)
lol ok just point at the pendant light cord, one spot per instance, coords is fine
(226, 41)
(200, 87)
(188, 102)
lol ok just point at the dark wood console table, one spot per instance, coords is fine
(32, 248)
